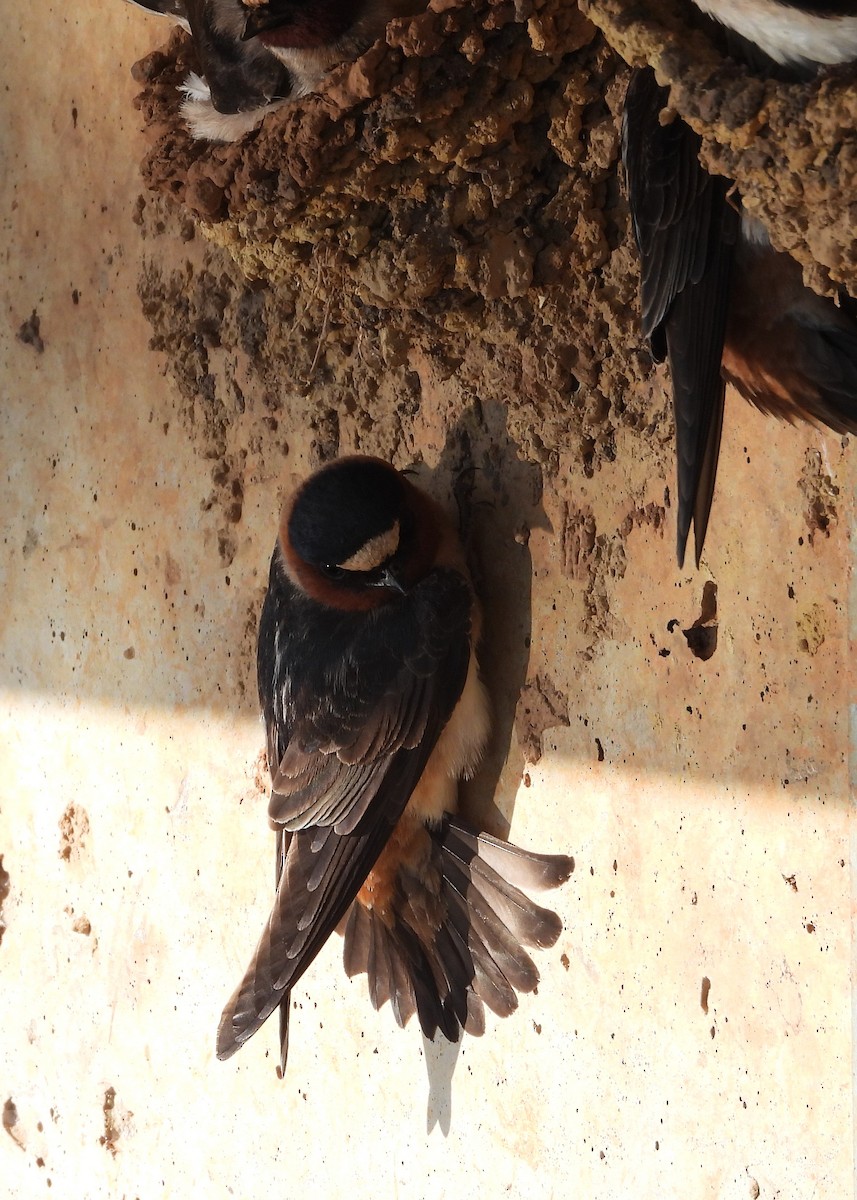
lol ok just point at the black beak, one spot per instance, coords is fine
(388, 580)
(263, 19)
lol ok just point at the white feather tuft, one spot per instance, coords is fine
(208, 125)
(786, 34)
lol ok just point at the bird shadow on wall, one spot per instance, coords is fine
(498, 499)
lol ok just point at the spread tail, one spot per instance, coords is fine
(452, 941)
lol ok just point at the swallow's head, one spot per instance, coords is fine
(300, 24)
(241, 78)
(356, 534)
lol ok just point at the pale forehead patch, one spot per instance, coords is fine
(376, 551)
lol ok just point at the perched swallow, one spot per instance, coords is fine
(374, 709)
(806, 34)
(241, 81)
(312, 36)
(721, 305)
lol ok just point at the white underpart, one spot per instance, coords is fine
(753, 231)
(209, 125)
(457, 751)
(195, 88)
(788, 35)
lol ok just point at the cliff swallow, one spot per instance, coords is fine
(240, 82)
(808, 34)
(312, 36)
(720, 304)
(374, 709)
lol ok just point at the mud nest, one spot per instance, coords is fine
(453, 198)
(453, 191)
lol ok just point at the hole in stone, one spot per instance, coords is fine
(702, 635)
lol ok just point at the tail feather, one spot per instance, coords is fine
(439, 957)
(402, 998)
(485, 976)
(475, 1023)
(378, 971)
(406, 978)
(453, 964)
(355, 954)
(438, 1005)
(529, 922)
(452, 940)
(524, 868)
(499, 942)
(448, 950)
(433, 1014)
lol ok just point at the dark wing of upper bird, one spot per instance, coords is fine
(686, 231)
(354, 704)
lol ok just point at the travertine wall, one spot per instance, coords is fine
(692, 1032)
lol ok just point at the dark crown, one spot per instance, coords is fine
(342, 507)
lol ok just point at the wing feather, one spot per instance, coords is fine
(686, 231)
(354, 704)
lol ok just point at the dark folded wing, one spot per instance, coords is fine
(827, 360)
(354, 704)
(343, 693)
(283, 841)
(686, 231)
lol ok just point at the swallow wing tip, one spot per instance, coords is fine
(225, 1047)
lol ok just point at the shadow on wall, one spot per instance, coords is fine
(498, 500)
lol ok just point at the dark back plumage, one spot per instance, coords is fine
(354, 703)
